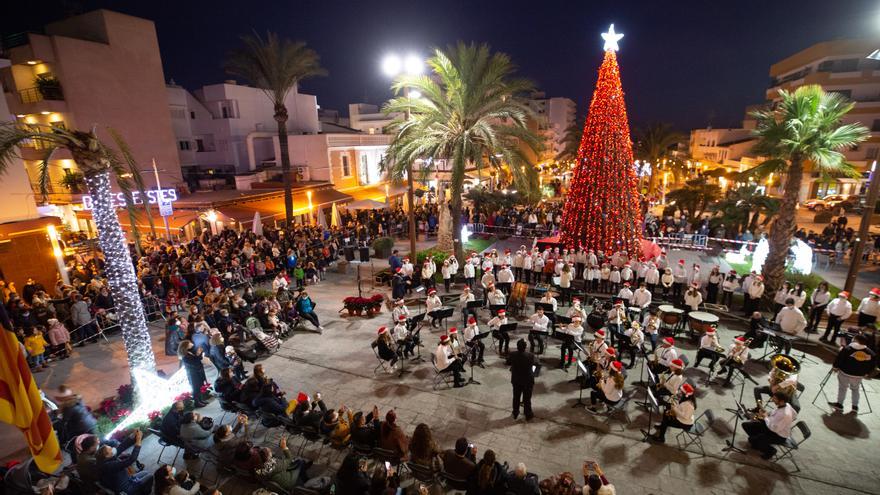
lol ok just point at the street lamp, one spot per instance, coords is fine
(393, 66)
(309, 196)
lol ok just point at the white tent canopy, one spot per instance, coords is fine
(366, 204)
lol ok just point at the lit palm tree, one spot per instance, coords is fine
(805, 126)
(655, 144)
(743, 208)
(276, 66)
(97, 162)
(694, 198)
(472, 113)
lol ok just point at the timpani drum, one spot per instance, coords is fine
(633, 313)
(595, 321)
(700, 321)
(670, 315)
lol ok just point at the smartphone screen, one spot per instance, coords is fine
(387, 466)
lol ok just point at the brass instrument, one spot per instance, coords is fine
(783, 367)
(738, 359)
(758, 413)
(670, 405)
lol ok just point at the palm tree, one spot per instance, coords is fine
(472, 113)
(97, 162)
(571, 141)
(655, 144)
(276, 66)
(743, 208)
(805, 126)
(694, 198)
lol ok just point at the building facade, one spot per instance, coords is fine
(99, 69)
(553, 118)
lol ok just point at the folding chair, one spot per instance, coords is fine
(166, 442)
(694, 436)
(619, 410)
(423, 474)
(310, 434)
(362, 449)
(385, 455)
(786, 450)
(382, 363)
(227, 407)
(444, 377)
(685, 360)
(452, 483)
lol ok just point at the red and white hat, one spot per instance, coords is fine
(382, 330)
(681, 262)
(844, 294)
(875, 292)
(739, 340)
(677, 364)
(668, 341)
(618, 302)
(432, 291)
(398, 270)
(695, 285)
(687, 388)
(471, 319)
(710, 330)
(402, 317)
(760, 278)
(444, 339)
(626, 284)
(575, 299)
(617, 365)
(453, 330)
(400, 301)
(600, 334)
(610, 351)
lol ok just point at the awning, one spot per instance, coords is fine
(377, 193)
(365, 204)
(244, 211)
(178, 220)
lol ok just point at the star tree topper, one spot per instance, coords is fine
(611, 38)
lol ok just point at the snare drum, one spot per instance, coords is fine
(700, 321)
(633, 313)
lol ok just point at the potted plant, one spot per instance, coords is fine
(374, 304)
(354, 305)
(49, 86)
(382, 247)
(73, 182)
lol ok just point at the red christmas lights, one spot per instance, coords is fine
(602, 208)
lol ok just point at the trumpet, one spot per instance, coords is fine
(758, 413)
(670, 406)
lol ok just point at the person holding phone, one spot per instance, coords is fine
(595, 482)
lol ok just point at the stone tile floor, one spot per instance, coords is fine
(839, 458)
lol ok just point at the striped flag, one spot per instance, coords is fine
(21, 405)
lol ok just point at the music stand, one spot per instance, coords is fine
(548, 308)
(583, 369)
(653, 404)
(442, 314)
(652, 381)
(493, 308)
(578, 349)
(740, 409)
(478, 336)
(472, 306)
(414, 333)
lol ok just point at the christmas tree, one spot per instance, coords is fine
(602, 209)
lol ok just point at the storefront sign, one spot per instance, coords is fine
(165, 209)
(154, 196)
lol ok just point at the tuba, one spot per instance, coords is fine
(783, 367)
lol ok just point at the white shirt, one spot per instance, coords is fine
(665, 355)
(610, 390)
(625, 294)
(616, 314)
(684, 412)
(442, 357)
(839, 307)
(729, 285)
(577, 310)
(652, 324)
(597, 349)
(433, 302)
(496, 322)
(799, 298)
(469, 270)
(487, 279)
(781, 420)
(738, 353)
(549, 300)
(641, 298)
(540, 322)
(781, 296)
(496, 297)
(399, 310)
(465, 298)
(672, 382)
(791, 320)
(400, 332)
(693, 299)
(636, 336)
(279, 283)
(505, 276)
(709, 342)
(819, 298)
(652, 276)
(470, 331)
(756, 290)
(679, 274)
(574, 330)
(870, 306)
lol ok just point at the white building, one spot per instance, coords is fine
(554, 117)
(369, 118)
(15, 186)
(230, 126)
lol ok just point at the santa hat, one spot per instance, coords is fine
(382, 330)
(677, 364)
(405, 260)
(600, 334)
(626, 284)
(681, 262)
(732, 272)
(668, 341)
(760, 278)
(844, 294)
(453, 330)
(617, 365)
(687, 388)
(618, 303)
(402, 317)
(710, 331)
(502, 312)
(398, 269)
(472, 320)
(576, 318)
(575, 300)
(695, 285)
(432, 291)
(302, 397)
(444, 339)
(875, 292)
(626, 265)
(739, 340)
(610, 351)
(507, 251)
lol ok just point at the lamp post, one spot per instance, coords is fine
(309, 195)
(411, 65)
(871, 202)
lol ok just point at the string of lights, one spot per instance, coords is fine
(602, 210)
(120, 274)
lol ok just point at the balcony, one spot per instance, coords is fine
(35, 94)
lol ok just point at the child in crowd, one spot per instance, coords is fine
(36, 348)
(300, 275)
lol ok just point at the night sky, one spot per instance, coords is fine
(689, 63)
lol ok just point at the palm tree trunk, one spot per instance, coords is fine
(120, 271)
(281, 120)
(456, 226)
(782, 230)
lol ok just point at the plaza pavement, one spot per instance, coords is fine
(839, 458)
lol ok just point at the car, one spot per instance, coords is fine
(828, 202)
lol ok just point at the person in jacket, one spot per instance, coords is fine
(226, 440)
(487, 477)
(166, 482)
(192, 433)
(217, 352)
(522, 377)
(392, 437)
(306, 308)
(852, 364)
(353, 477)
(286, 471)
(337, 426)
(35, 344)
(83, 323)
(365, 429)
(460, 462)
(113, 467)
(74, 418)
(195, 369)
(59, 336)
(422, 448)
(519, 482)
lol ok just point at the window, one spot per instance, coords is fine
(192, 115)
(848, 65)
(346, 166)
(184, 145)
(363, 170)
(875, 127)
(178, 113)
(871, 153)
(825, 66)
(200, 145)
(847, 93)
